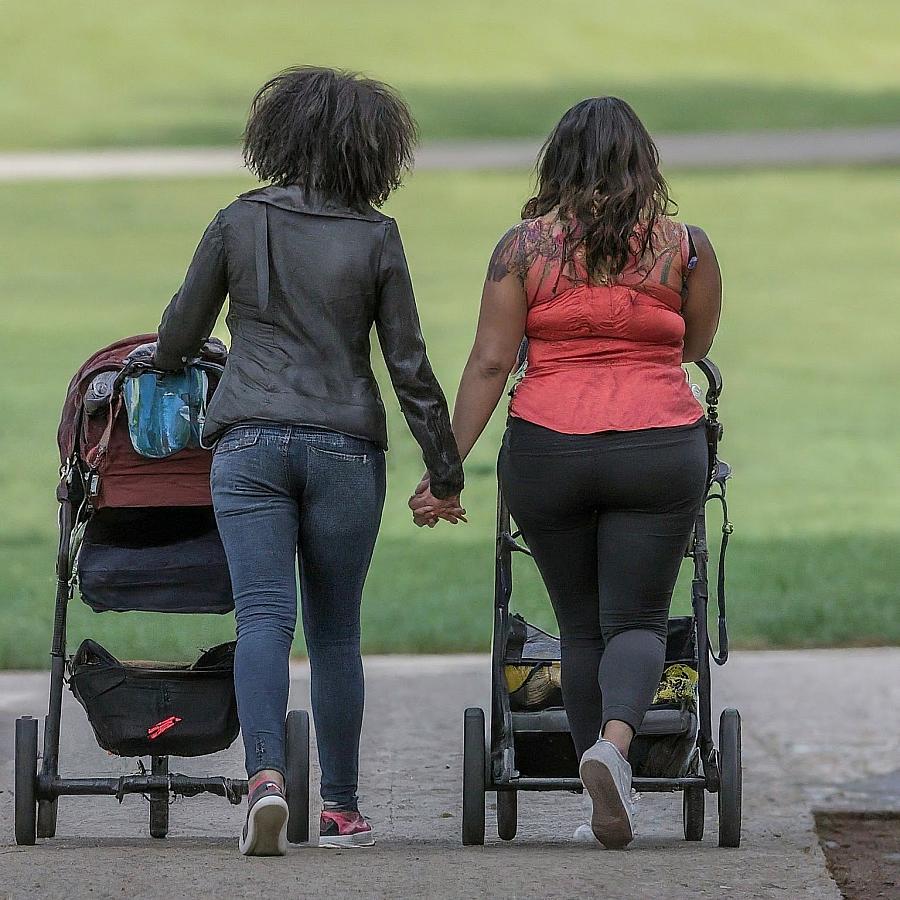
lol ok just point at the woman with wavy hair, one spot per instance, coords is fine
(604, 460)
(309, 266)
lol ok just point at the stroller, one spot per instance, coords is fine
(138, 533)
(529, 746)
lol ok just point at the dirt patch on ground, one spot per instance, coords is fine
(863, 852)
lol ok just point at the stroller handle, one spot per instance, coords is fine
(139, 367)
(713, 377)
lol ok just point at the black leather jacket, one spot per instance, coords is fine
(306, 280)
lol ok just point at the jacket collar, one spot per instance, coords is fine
(295, 199)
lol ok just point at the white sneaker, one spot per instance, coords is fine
(606, 776)
(584, 834)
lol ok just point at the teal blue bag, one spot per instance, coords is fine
(166, 411)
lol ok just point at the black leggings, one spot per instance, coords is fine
(607, 517)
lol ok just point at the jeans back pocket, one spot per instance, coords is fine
(238, 439)
(339, 454)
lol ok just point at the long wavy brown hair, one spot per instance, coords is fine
(601, 168)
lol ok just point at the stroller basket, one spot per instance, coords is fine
(157, 709)
(663, 747)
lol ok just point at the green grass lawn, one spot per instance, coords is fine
(807, 347)
(171, 72)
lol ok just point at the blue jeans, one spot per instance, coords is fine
(282, 492)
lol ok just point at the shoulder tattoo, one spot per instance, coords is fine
(508, 256)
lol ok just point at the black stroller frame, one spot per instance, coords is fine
(37, 791)
(491, 765)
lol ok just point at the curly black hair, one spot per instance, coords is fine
(331, 132)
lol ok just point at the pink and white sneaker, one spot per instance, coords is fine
(340, 828)
(265, 830)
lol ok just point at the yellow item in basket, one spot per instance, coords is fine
(679, 682)
(532, 686)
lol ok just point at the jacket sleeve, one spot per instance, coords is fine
(192, 313)
(420, 395)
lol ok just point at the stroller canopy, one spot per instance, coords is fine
(126, 479)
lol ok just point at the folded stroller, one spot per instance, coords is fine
(137, 532)
(529, 746)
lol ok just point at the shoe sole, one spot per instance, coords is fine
(347, 841)
(609, 820)
(266, 828)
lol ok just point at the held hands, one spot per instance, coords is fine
(427, 509)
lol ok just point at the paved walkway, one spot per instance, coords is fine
(850, 146)
(813, 721)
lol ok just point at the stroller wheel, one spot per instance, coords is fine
(473, 777)
(730, 785)
(507, 814)
(296, 784)
(26, 780)
(693, 812)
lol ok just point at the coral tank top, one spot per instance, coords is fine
(601, 356)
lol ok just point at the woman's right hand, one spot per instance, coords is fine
(427, 509)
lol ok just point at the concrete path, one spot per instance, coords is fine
(850, 146)
(813, 721)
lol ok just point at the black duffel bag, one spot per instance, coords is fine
(157, 709)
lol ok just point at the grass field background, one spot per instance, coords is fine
(169, 72)
(807, 347)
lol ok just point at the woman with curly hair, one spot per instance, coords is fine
(604, 461)
(309, 266)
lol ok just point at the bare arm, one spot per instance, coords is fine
(703, 301)
(501, 326)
